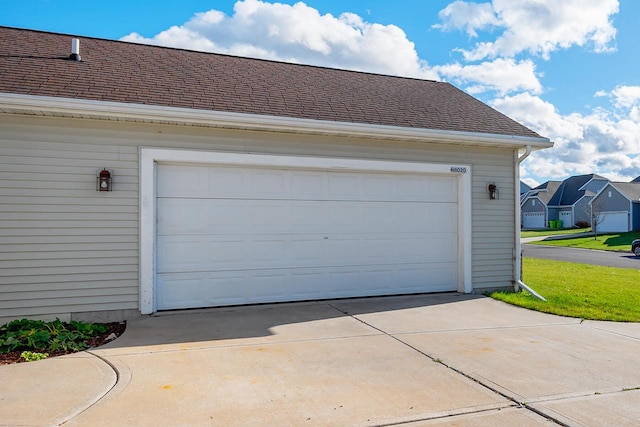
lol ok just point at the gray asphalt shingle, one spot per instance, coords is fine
(36, 63)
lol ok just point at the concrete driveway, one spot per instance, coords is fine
(446, 359)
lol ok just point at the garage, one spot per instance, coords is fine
(232, 233)
(566, 218)
(613, 222)
(533, 220)
(174, 143)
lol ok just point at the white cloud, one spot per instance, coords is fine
(469, 17)
(626, 96)
(501, 75)
(297, 33)
(535, 26)
(599, 142)
(602, 140)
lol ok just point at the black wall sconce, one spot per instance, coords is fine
(103, 181)
(492, 189)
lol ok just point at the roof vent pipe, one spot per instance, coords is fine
(75, 50)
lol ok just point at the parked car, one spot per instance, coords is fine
(635, 247)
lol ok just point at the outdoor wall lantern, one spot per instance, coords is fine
(103, 181)
(492, 189)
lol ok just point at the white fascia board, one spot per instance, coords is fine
(67, 107)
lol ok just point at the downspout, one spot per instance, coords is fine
(518, 283)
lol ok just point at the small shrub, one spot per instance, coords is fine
(56, 336)
(32, 356)
(583, 224)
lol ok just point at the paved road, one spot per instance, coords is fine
(585, 256)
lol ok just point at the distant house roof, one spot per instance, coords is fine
(37, 63)
(636, 180)
(570, 191)
(631, 190)
(546, 190)
(524, 187)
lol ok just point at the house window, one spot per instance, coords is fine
(533, 203)
(609, 193)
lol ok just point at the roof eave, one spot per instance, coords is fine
(107, 110)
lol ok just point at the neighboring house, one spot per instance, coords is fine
(524, 188)
(239, 181)
(636, 180)
(570, 203)
(567, 201)
(616, 208)
(534, 205)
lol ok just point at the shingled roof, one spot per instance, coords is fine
(570, 191)
(37, 63)
(631, 190)
(546, 191)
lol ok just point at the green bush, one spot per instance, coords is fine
(37, 335)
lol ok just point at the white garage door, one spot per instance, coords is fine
(565, 217)
(237, 235)
(613, 222)
(533, 220)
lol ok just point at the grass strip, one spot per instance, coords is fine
(579, 290)
(620, 242)
(553, 232)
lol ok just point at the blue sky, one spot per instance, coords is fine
(567, 69)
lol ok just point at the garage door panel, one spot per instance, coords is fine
(441, 217)
(223, 182)
(193, 216)
(440, 276)
(379, 280)
(204, 253)
(613, 222)
(180, 216)
(284, 235)
(343, 186)
(179, 291)
(181, 181)
(378, 187)
(182, 290)
(565, 217)
(243, 183)
(269, 183)
(180, 253)
(308, 185)
(441, 247)
(307, 251)
(441, 189)
(533, 220)
(342, 250)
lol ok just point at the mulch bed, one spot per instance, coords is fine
(116, 328)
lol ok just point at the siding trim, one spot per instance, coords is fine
(149, 157)
(67, 107)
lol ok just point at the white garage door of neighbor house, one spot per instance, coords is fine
(565, 217)
(231, 235)
(533, 220)
(613, 222)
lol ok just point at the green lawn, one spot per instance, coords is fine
(553, 232)
(579, 290)
(620, 242)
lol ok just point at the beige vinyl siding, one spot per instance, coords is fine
(493, 222)
(66, 248)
